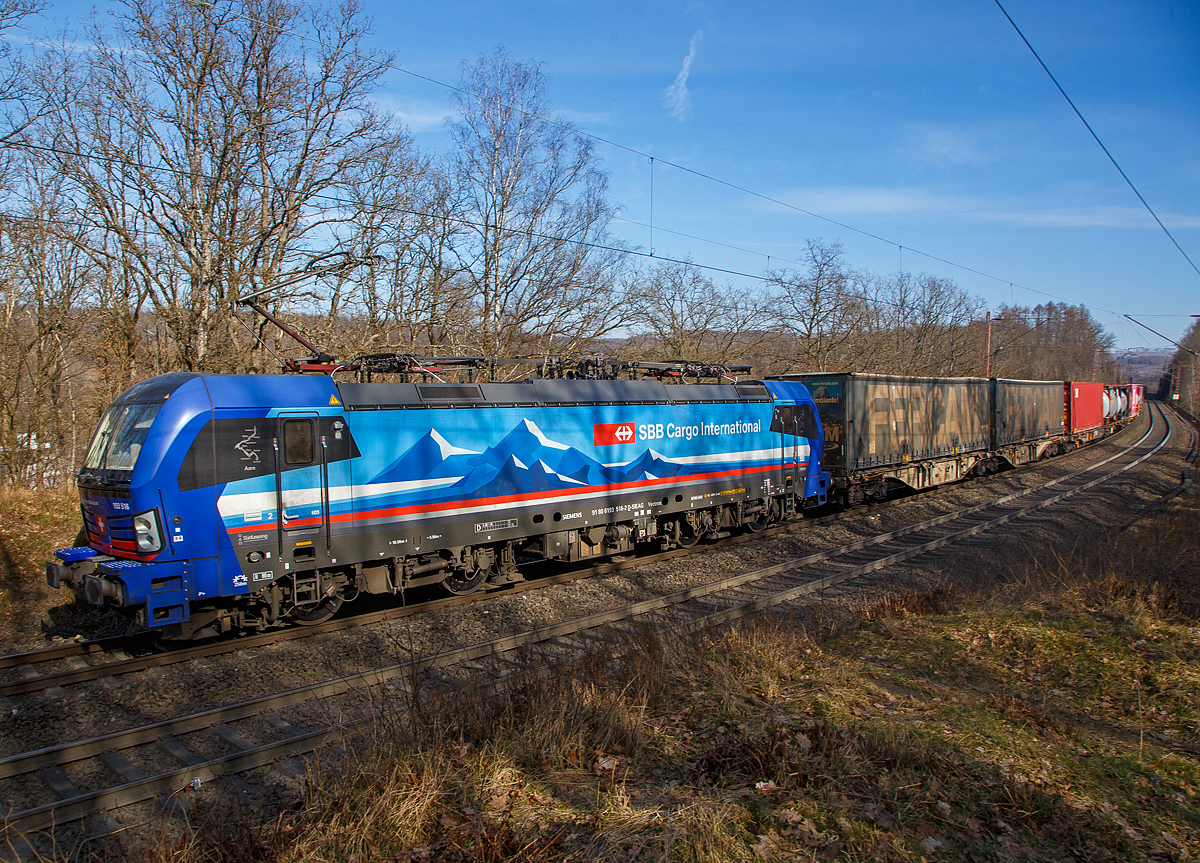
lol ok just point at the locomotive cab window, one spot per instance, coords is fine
(298, 441)
(795, 420)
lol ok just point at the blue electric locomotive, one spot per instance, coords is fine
(218, 502)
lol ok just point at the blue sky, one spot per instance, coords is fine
(928, 124)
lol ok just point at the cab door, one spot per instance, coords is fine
(302, 487)
(783, 422)
(793, 422)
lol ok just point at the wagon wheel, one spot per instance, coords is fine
(459, 583)
(320, 612)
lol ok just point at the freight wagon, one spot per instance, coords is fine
(884, 432)
(1027, 421)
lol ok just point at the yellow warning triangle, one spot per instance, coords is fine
(333, 400)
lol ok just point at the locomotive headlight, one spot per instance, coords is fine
(145, 527)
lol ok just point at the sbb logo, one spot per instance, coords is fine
(611, 434)
(650, 431)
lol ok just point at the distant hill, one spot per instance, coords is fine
(1144, 367)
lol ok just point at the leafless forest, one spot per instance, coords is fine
(159, 164)
(1182, 379)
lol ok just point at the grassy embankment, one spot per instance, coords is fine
(1055, 715)
(32, 525)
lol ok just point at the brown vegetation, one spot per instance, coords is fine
(1182, 380)
(1049, 714)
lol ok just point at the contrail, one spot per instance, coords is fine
(677, 98)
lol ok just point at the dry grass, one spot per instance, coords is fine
(1054, 715)
(32, 525)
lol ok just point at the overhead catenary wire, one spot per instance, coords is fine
(1088, 125)
(1161, 336)
(701, 174)
(341, 202)
(708, 240)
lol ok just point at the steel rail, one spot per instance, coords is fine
(68, 649)
(1186, 478)
(43, 816)
(129, 665)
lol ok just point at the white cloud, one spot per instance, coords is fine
(941, 145)
(677, 98)
(842, 202)
(418, 116)
(1086, 217)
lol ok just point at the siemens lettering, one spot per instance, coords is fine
(657, 431)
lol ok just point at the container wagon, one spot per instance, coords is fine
(1084, 404)
(884, 432)
(1027, 421)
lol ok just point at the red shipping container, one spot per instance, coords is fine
(1085, 406)
(1137, 394)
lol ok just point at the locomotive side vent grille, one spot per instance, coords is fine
(755, 392)
(450, 392)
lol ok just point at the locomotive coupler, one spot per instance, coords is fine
(72, 566)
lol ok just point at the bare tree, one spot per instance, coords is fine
(1054, 341)
(42, 277)
(532, 203)
(681, 314)
(1181, 384)
(823, 313)
(921, 325)
(416, 299)
(211, 145)
(20, 102)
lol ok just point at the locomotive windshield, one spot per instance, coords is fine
(119, 437)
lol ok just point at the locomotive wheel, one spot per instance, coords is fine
(458, 583)
(320, 612)
(759, 524)
(685, 535)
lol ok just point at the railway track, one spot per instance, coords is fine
(78, 662)
(255, 733)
